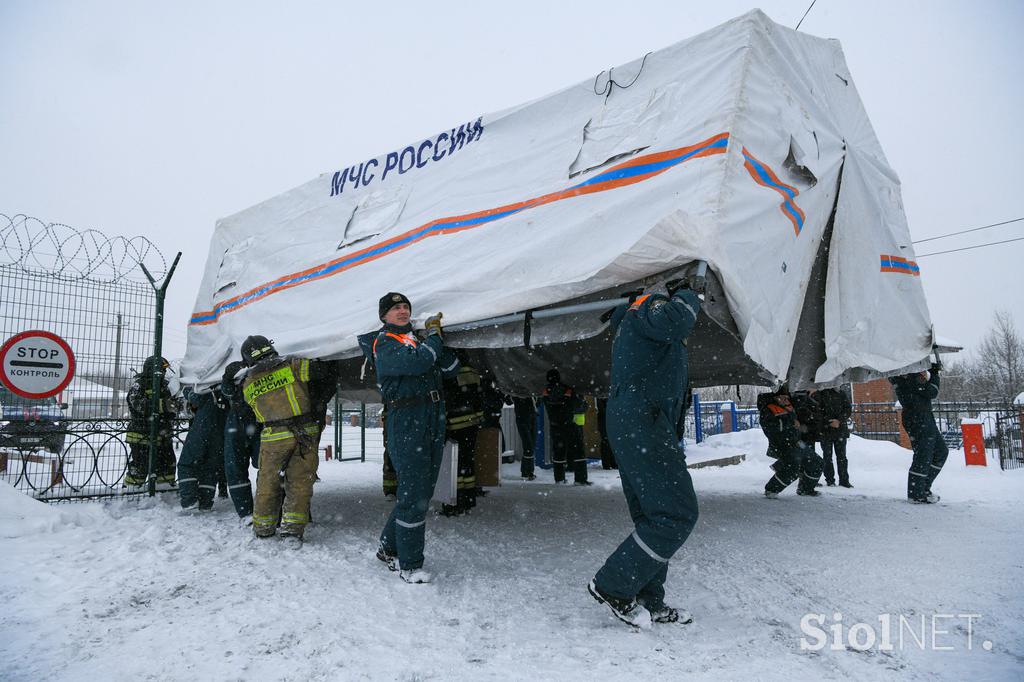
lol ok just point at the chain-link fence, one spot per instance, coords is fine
(91, 291)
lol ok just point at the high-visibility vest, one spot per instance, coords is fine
(279, 392)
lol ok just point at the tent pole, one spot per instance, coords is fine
(702, 268)
(538, 314)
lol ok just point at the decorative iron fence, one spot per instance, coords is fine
(73, 459)
(1008, 439)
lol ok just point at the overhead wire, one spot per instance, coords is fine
(968, 248)
(805, 15)
(973, 229)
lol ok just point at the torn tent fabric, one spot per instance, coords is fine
(746, 146)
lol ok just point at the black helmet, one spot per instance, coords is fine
(553, 376)
(152, 364)
(257, 348)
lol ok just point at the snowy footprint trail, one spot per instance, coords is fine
(138, 590)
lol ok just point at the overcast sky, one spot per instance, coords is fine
(159, 118)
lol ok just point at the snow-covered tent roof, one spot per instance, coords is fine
(746, 146)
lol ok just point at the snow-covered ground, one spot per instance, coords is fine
(134, 589)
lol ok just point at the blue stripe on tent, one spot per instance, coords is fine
(644, 169)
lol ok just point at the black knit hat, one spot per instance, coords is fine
(390, 300)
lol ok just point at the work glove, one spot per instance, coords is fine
(220, 400)
(936, 367)
(579, 419)
(433, 324)
(674, 285)
(231, 370)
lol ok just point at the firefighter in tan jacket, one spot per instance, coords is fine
(278, 391)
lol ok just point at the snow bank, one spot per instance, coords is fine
(134, 589)
(20, 515)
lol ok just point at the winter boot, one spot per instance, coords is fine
(388, 559)
(770, 495)
(667, 614)
(930, 498)
(809, 493)
(291, 541)
(415, 576)
(626, 610)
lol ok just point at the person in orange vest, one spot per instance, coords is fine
(410, 372)
(649, 377)
(787, 444)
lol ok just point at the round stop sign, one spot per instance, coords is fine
(36, 364)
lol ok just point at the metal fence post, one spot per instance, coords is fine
(698, 427)
(337, 425)
(157, 377)
(362, 432)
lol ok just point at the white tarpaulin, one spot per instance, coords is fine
(746, 146)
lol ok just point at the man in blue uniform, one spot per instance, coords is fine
(409, 373)
(203, 453)
(916, 393)
(648, 382)
(788, 444)
(566, 412)
(836, 409)
(241, 443)
(526, 425)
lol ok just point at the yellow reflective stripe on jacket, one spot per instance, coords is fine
(304, 370)
(256, 411)
(292, 400)
(272, 435)
(279, 378)
(456, 423)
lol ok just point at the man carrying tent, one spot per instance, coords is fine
(410, 373)
(202, 456)
(648, 381)
(915, 393)
(139, 409)
(565, 412)
(278, 390)
(795, 457)
(463, 401)
(526, 425)
(241, 443)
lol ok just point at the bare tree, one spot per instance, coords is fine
(1000, 365)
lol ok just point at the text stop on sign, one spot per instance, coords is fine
(36, 364)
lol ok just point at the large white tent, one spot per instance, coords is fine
(746, 147)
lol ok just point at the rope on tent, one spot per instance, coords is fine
(607, 89)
